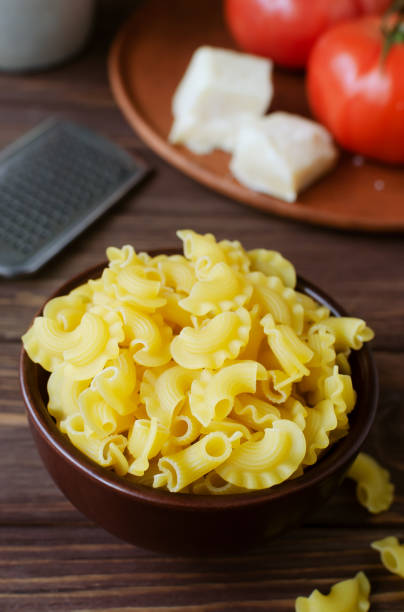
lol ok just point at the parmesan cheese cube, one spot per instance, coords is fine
(281, 154)
(218, 90)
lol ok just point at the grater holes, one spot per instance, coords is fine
(53, 183)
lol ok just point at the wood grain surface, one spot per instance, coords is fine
(53, 558)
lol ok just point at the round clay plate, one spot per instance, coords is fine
(146, 63)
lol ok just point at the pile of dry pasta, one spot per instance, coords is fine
(202, 373)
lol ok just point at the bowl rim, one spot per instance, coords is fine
(342, 452)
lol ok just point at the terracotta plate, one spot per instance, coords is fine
(146, 63)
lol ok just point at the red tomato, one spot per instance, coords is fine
(286, 30)
(356, 94)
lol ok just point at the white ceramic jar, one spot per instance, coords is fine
(37, 34)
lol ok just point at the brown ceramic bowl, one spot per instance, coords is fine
(179, 523)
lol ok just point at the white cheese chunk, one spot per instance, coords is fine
(218, 90)
(282, 154)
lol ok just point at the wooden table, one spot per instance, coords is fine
(52, 557)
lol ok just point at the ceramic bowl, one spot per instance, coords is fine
(191, 524)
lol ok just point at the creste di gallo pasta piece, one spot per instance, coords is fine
(392, 554)
(145, 440)
(213, 484)
(101, 420)
(86, 348)
(320, 421)
(117, 383)
(295, 411)
(277, 388)
(255, 412)
(347, 596)
(349, 333)
(206, 373)
(201, 250)
(147, 335)
(163, 391)
(272, 263)
(373, 487)
(177, 272)
(217, 289)
(188, 465)
(186, 428)
(268, 459)
(107, 452)
(212, 395)
(63, 393)
(291, 352)
(278, 300)
(213, 342)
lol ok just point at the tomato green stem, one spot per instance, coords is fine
(393, 27)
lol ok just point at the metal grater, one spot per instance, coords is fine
(54, 182)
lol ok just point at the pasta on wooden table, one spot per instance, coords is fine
(204, 373)
(347, 596)
(392, 554)
(373, 487)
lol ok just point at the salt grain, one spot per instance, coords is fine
(379, 185)
(358, 160)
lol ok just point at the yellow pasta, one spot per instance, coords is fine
(290, 351)
(338, 388)
(220, 289)
(267, 460)
(100, 418)
(202, 249)
(254, 412)
(145, 439)
(108, 452)
(188, 465)
(164, 391)
(320, 421)
(343, 364)
(373, 487)
(347, 596)
(276, 299)
(63, 392)
(313, 312)
(177, 273)
(172, 312)
(349, 332)
(295, 411)
(233, 429)
(87, 347)
(392, 554)
(213, 484)
(215, 341)
(116, 383)
(272, 263)
(212, 394)
(321, 341)
(137, 286)
(120, 258)
(256, 336)
(66, 310)
(277, 387)
(236, 257)
(204, 373)
(185, 429)
(148, 337)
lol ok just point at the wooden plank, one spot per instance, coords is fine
(80, 568)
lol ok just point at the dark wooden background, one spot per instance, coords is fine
(52, 557)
